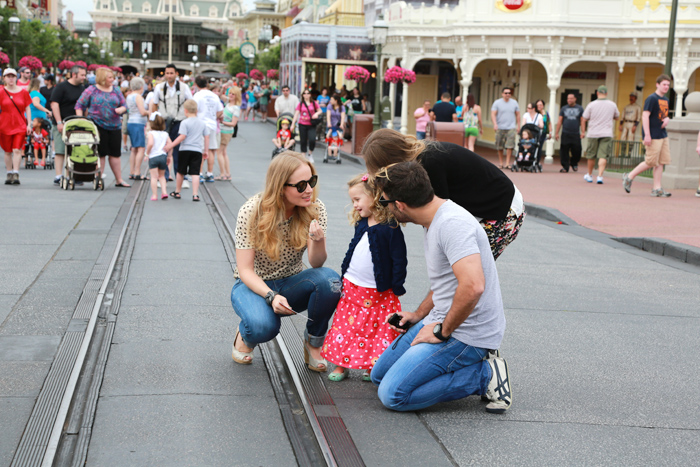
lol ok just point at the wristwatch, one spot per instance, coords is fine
(437, 332)
(270, 297)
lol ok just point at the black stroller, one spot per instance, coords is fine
(278, 126)
(527, 154)
(29, 161)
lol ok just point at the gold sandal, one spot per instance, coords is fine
(237, 355)
(312, 363)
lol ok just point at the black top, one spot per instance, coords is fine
(469, 180)
(443, 111)
(66, 95)
(46, 92)
(356, 103)
(571, 119)
(657, 107)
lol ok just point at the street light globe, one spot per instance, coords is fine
(14, 25)
(194, 58)
(380, 29)
(92, 35)
(145, 56)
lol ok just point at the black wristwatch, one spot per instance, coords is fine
(437, 332)
(270, 297)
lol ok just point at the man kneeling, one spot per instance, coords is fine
(449, 353)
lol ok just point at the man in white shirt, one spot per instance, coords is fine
(286, 103)
(211, 111)
(168, 99)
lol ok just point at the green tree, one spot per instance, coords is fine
(269, 60)
(234, 61)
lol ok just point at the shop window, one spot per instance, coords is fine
(194, 10)
(146, 8)
(213, 12)
(127, 7)
(105, 4)
(147, 47)
(128, 47)
(192, 49)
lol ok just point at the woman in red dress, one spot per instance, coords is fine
(16, 123)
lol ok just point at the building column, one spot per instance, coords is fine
(404, 110)
(524, 93)
(553, 113)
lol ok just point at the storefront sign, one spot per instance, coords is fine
(511, 6)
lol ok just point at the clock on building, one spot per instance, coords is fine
(247, 49)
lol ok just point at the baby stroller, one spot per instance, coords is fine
(278, 126)
(29, 148)
(82, 161)
(333, 144)
(527, 154)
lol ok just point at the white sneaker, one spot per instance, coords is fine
(185, 184)
(158, 183)
(499, 390)
(310, 158)
(588, 178)
(599, 180)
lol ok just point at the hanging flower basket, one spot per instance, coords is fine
(116, 68)
(241, 76)
(4, 59)
(31, 62)
(256, 75)
(396, 75)
(81, 63)
(273, 74)
(66, 65)
(357, 73)
(93, 67)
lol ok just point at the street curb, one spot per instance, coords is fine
(658, 246)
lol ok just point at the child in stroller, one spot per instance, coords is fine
(39, 143)
(528, 149)
(284, 140)
(334, 140)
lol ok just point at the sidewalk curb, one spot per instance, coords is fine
(658, 246)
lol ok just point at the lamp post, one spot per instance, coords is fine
(86, 49)
(145, 62)
(195, 65)
(14, 31)
(668, 69)
(380, 31)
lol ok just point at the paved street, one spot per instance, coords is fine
(602, 339)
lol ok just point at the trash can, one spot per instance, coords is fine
(362, 127)
(446, 132)
(271, 114)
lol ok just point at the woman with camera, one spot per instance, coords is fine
(273, 230)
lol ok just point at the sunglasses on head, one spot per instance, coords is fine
(301, 186)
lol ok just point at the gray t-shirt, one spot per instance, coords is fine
(571, 119)
(455, 234)
(505, 118)
(194, 130)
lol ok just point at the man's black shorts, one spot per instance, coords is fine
(189, 162)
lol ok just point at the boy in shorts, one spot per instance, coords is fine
(654, 121)
(193, 141)
(284, 136)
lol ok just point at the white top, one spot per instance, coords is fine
(288, 105)
(159, 140)
(147, 101)
(535, 121)
(208, 104)
(134, 114)
(170, 91)
(361, 269)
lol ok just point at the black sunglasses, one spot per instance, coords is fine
(301, 186)
(385, 202)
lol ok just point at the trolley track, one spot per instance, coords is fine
(60, 427)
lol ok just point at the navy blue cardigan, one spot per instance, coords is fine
(388, 249)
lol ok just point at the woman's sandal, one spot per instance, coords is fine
(312, 363)
(367, 376)
(238, 356)
(195, 198)
(335, 376)
(175, 194)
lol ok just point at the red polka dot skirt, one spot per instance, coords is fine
(359, 334)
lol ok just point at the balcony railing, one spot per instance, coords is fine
(626, 155)
(344, 19)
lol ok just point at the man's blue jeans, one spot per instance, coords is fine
(416, 377)
(316, 289)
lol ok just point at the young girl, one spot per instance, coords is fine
(374, 271)
(526, 144)
(39, 140)
(156, 140)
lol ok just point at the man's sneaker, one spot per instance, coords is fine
(490, 356)
(660, 193)
(57, 180)
(599, 180)
(201, 178)
(15, 178)
(185, 184)
(627, 182)
(310, 158)
(697, 193)
(575, 167)
(9, 179)
(210, 178)
(499, 390)
(588, 178)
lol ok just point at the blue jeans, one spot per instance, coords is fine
(416, 377)
(316, 290)
(420, 134)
